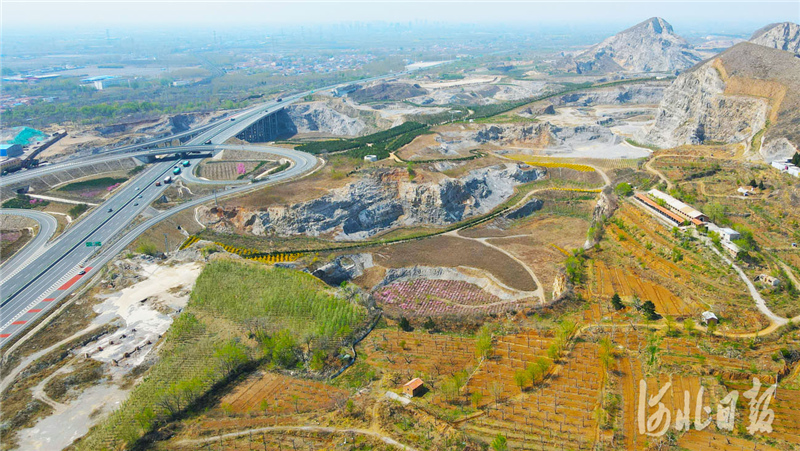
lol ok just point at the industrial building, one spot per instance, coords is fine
(786, 166)
(683, 210)
(10, 150)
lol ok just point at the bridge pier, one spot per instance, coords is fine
(263, 130)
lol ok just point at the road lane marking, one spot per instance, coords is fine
(74, 279)
(20, 322)
(34, 310)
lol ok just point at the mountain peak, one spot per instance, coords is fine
(782, 36)
(649, 46)
(655, 24)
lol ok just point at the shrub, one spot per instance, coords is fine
(147, 248)
(78, 210)
(616, 301)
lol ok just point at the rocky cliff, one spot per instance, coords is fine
(545, 134)
(380, 201)
(651, 46)
(317, 117)
(781, 36)
(731, 98)
(642, 94)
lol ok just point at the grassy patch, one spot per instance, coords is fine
(98, 183)
(23, 201)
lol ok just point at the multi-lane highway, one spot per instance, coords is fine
(68, 261)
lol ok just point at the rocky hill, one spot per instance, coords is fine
(781, 36)
(318, 117)
(379, 201)
(651, 46)
(383, 91)
(747, 94)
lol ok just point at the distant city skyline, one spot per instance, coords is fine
(719, 16)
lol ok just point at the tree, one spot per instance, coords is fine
(688, 325)
(231, 355)
(717, 213)
(669, 321)
(649, 310)
(554, 350)
(623, 190)
(404, 324)
(521, 379)
(317, 361)
(476, 398)
(761, 185)
(483, 343)
(796, 159)
(429, 324)
(616, 302)
(606, 352)
(500, 443)
(753, 183)
(575, 270)
(496, 389)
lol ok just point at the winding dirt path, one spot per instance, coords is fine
(539, 292)
(658, 173)
(330, 430)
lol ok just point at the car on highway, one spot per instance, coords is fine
(136, 204)
(110, 210)
(82, 272)
(233, 119)
(137, 188)
(158, 183)
(280, 99)
(140, 196)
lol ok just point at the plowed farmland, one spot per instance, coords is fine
(431, 354)
(616, 280)
(557, 415)
(423, 297)
(226, 170)
(279, 394)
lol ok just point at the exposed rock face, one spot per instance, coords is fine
(344, 268)
(777, 149)
(509, 133)
(528, 209)
(620, 95)
(781, 36)
(387, 91)
(378, 202)
(696, 110)
(180, 122)
(650, 46)
(730, 98)
(546, 134)
(318, 117)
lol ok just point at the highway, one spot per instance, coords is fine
(68, 261)
(47, 228)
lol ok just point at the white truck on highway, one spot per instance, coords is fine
(168, 179)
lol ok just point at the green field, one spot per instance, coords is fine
(239, 316)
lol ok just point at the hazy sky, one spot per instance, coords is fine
(26, 14)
